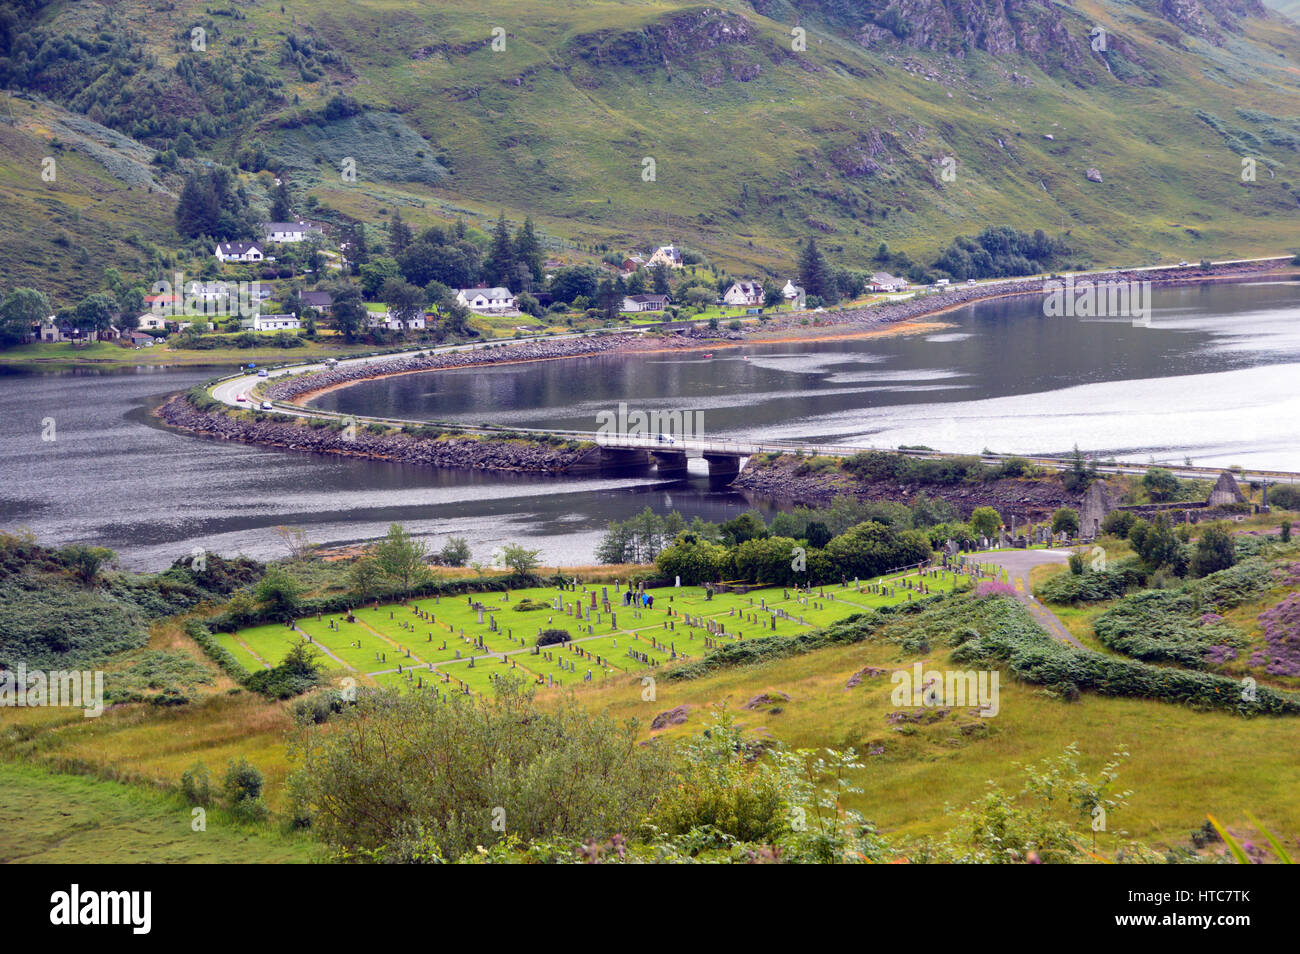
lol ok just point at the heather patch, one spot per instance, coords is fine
(1281, 625)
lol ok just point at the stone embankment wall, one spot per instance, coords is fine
(461, 453)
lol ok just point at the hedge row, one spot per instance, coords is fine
(1181, 625)
(1007, 634)
(1093, 586)
(219, 654)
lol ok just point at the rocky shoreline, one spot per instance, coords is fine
(777, 480)
(520, 456)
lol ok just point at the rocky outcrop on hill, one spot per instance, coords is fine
(1208, 19)
(719, 44)
(1049, 35)
(460, 453)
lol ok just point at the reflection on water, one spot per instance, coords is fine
(1210, 379)
(1213, 379)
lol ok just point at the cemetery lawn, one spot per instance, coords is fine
(448, 631)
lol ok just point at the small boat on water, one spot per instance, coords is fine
(709, 355)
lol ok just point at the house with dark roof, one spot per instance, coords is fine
(744, 293)
(322, 301)
(239, 252)
(666, 255)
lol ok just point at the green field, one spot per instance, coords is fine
(62, 819)
(435, 635)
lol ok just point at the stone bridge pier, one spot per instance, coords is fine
(723, 468)
(669, 463)
(623, 458)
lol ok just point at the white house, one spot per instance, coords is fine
(744, 293)
(54, 330)
(645, 302)
(666, 255)
(387, 322)
(883, 281)
(151, 322)
(207, 291)
(259, 292)
(793, 294)
(487, 300)
(239, 252)
(289, 231)
(270, 323)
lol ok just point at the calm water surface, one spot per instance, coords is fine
(1214, 378)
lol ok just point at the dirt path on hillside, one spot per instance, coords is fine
(1019, 564)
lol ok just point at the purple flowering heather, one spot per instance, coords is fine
(1282, 632)
(1209, 619)
(993, 588)
(1218, 655)
(1289, 575)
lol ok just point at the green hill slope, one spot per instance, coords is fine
(75, 198)
(619, 122)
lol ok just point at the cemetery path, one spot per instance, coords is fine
(322, 648)
(1019, 564)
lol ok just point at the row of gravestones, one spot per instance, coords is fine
(1041, 536)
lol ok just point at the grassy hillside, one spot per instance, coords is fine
(102, 207)
(1182, 763)
(915, 770)
(60, 819)
(755, 145)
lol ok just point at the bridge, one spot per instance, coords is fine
(636, 452)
